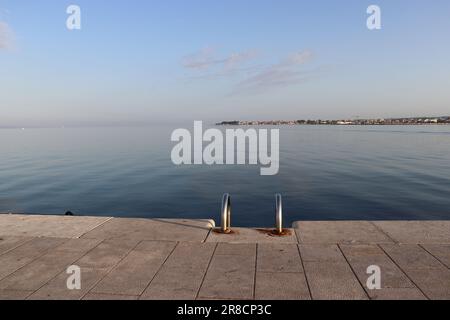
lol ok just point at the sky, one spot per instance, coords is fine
(173, 61)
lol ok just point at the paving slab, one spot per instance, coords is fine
(427, 273)
(329, 275)
(47, 226)
(26, 253)
(397, 294)
(230, 277)
(108, 297)
(333, 281)
(182, 274)
(281, 286)
(95, 265)
(236, 249)
(191, 255)
(10, 243)
(323, 253)
(107, 254)
(153, 229)
(14, 294)
(435, 285)
(133, 274)
(394, 282)
(56, 289)
(440, 252)
(37, 273)
(247, 235)
(415, 232)
(278, 258)
(339, 232)
(175, 283)
(412, 257)
(360, 257)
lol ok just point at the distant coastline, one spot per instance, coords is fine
(354, 122)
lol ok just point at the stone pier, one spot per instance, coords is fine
(188, 259)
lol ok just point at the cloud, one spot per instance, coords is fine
(284, 73)
(207, 59)
(297, 58)
(200, 60)
(6, 37)
(254, 78)
(235, 60)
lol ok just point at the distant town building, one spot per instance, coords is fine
(358, 122)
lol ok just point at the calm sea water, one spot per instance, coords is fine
(325, 173)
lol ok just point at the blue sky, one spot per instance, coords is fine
(176, 60)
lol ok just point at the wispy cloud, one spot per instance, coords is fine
(254, 78)
(207, 59)
(284, 73)
(200, 60)
(235, 60)
(6, 36)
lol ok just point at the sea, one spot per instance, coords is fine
(326, 173)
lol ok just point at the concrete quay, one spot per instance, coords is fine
(189, 260)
